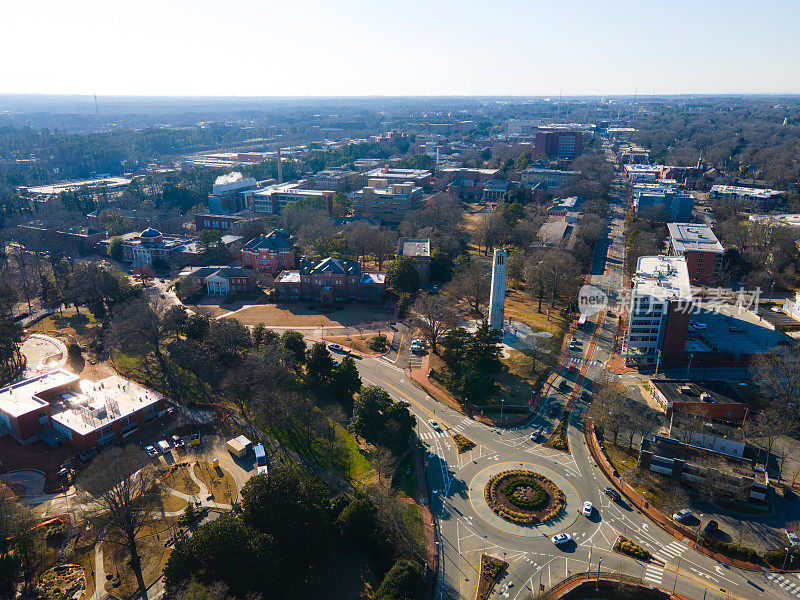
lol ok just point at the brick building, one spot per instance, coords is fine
(269, 253)
(420, 251)
(563, 144)
(697, 243)
(659, 312)
(330, 281)
(60, 407)
(222, 280)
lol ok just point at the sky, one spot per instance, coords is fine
(413, 47)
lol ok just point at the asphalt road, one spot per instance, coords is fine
(467, 530)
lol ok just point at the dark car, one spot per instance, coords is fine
(612, 493)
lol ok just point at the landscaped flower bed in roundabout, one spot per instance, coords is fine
(524, 497)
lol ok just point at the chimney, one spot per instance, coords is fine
(280, 166)
(437, 156)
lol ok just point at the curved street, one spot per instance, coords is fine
(468, 528)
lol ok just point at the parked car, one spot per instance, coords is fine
(587, 509)
(151, 451)
(794, 541)
(572, 368)
(163, 446)
(561, 538)
(535, 435)
(177, 442)
(335, 348)
(682, 515)
(612, 493)
(434, 425)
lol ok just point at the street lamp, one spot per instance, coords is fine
(678, 568)
(785, 556)
(597, 581)
(502, 407)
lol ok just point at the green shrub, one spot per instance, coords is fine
(377, 343)
(464, 444)
(540, 496)
(733, 550)
(631, 548)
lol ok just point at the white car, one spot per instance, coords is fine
(163, 447)
(151, 451)
(794, 541)
(434, 425)
(682, 515)
(587, 509)
(561, 538)
(335, 348)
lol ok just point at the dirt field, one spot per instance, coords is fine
(218, 481)
(299, 315)
(152, 551)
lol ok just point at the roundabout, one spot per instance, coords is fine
(546, 499)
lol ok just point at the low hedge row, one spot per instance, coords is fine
(631, 548)
(732, 550)
(558, 439)
(557, 502)
(491, 570)
(778, 558)
(464, 444)
(540, 496)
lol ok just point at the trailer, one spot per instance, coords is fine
(239, 446)
(261, 455)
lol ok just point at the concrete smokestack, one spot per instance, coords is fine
(280, 166)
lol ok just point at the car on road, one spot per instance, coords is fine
(561, 538)
(572, 367)
(335, 348)
(151, 451)
(682, 515)
(417, 347)
(612, 493)
(163, 447)
(588, 508)
(434, 425)
(535, 434)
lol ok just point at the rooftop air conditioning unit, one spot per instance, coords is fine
(686, 389)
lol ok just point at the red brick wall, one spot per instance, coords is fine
(677, 326)
(706, 271)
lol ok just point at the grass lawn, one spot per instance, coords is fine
(521, 306)
(650, 486)
(406, 480)
(342, 575)
(76, 327)
(85, 558)
(218, 481)
(179, 480)
(343, 456)
(153, 553)
(412, 515)
(299, 315)
(356, 342)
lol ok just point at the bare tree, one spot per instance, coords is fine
(472, 283)
(434, 316)
(126, 499)
(382, 244)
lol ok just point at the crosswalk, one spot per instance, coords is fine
(670, 552)
(655, 573)
(585, 361)
(785, 584)
(448, 431)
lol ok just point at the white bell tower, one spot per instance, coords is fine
(497, 298)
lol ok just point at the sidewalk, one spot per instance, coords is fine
(644, 507)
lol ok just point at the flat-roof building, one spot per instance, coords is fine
(710, 400)
(228, 194)
(59, 406)
(112, 184)
(553, 179)
(659, 312)
(697, 243)
(388, 202)
(420, 251)
(560, 143)
(273, 199)
(727, 192)
(419, 177)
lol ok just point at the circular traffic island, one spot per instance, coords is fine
(524, 497)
